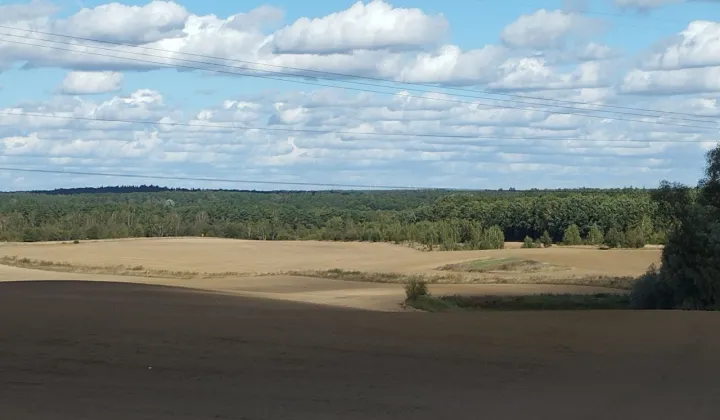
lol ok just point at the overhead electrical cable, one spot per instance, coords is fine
(352, 133)
(345, 75)
(292, 80)
(223, 180)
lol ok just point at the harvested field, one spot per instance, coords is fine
(210, 255)
(369, 272)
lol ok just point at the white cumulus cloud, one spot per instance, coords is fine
(122, 23)
(696, 46)
(376, 25)
(88, 83)
(547, 29)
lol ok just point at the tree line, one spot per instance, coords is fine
(436, 219)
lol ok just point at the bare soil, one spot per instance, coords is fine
(111, 351)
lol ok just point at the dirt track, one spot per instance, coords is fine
(72, 350)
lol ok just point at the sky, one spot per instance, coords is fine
(469, 94)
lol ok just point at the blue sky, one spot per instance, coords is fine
(656, 61)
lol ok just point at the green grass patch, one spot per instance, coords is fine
(370, 277)
(498, 265)
(611, 282)
(537, 302)
(432, 304)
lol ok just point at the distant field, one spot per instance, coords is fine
(211, 255)
(360, 275)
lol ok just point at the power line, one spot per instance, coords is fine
(342, 75)
(358, 89)
(366, 84)
(224, 180)
(310, 131)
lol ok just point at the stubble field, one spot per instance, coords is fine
(310, 271)
(80, 341)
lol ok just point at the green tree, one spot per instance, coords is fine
(334, 229)
(634, 238)
(689, 276)
(528, 242)
(571, 236)
(546, 239)
(493, 238)
(614, 238)
(595, 235)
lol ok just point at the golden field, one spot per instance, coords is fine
(299, 270)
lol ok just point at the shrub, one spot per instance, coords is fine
(415, 288)
(76, 241)
(31, 234)
(546, 239)
(658, 238)
(571, 236)
(614, 238)
(634, 238)
(595, 235)
(93, 232)
(528, 242)
(493, 238)
(650, 291)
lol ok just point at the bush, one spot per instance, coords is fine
(415, 288)
(614, 238)
(633, 238)
(650, 291)
(595, 236)
(546, 239)
(493, 238)
(658, 238)
(572, 235)
(32, 234)
(528, 242)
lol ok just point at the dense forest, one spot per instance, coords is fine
(436, 219)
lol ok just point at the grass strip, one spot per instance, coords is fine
(538, 302)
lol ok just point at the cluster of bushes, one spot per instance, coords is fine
(544, 241)
(634, 237)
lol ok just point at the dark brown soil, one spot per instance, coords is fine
(85, 350)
